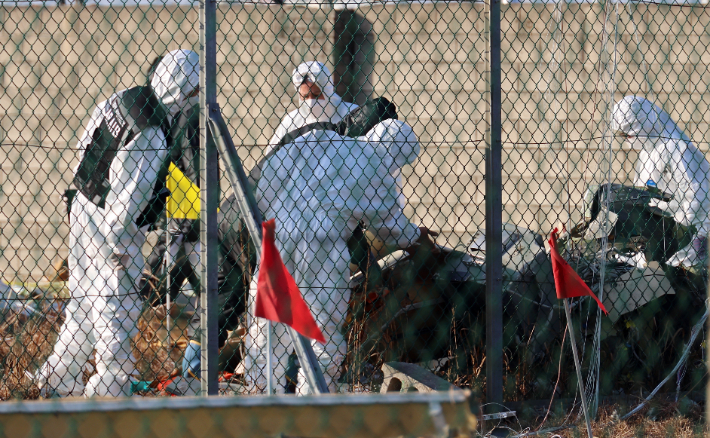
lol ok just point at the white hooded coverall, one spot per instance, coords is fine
(331, 108)
(668, 158)
(318, 188)
(105, 258)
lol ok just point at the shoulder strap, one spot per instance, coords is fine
(255, 173)
(142, 105)
(303, 130)
(185, 150)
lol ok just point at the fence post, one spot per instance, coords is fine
(494, 215)
(707, 359)
(209, 193)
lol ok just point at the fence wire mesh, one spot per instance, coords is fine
(361, 128)
(584, 154)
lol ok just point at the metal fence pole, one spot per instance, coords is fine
(707, 359)
(209, 193)
(252, 218)
(494, 216)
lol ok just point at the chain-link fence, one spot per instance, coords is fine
(626, 176)
(361, 127)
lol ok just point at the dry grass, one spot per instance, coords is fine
(662, 418)
(156, 357)
(26, 343)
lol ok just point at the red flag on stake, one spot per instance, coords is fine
(567, 282)
(277, 296)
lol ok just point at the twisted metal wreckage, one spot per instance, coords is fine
(425, 298)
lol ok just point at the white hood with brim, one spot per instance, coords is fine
(331, 108)
(176, 76)
(639, 117)
(317, 73)
(316, 110)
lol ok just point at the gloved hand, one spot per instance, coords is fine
(660, 207)
(359, 121)
(693, 254)
(425, 240)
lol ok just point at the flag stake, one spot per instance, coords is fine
(252, 218)
(269, 369)
(168, 262)
(577, 366)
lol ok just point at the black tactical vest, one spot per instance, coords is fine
(141, 104)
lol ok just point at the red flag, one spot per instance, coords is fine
(567, 282)
(277, 296)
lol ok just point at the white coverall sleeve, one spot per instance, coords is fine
(691, 181)
(379, 205)
(650, 165)
(672, 165)
(679, 169)
(393, 227)
(134, 172)
(278, 135)
(288, 124)
(394, 144)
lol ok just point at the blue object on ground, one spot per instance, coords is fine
(139, 386)
(191, 360)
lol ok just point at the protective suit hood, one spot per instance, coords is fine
(317, 73)
(398, 137)
(669, 159)
(316, 110)
(639, 117)
(176, 76)
(330, 109)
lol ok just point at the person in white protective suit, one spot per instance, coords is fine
(318, 101)
(319, 188)
(107, 231)
(669, 160)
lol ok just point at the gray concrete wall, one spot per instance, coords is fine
(57, 63)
